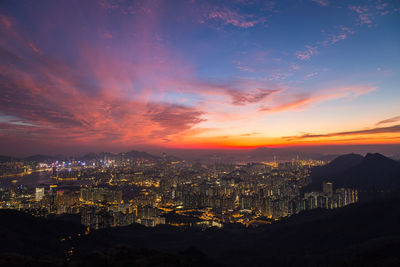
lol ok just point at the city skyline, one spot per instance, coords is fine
(113, 75)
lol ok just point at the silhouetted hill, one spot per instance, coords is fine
(279, 154)
(339, 164)
(108, 155)
(372, 172)
(245, 155)
(7, 158)
(396, 157)
(375, 171)
(314, 238)
(31, 241)
(122, 255)
(99, 155)
(364, 234)
(41, 158)
(26, 235)
(140, 154)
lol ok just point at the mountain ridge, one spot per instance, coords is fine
(372, 172)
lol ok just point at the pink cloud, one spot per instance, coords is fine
(242, 67)
(109, 97)
(337, 38)
(364, 15)
(310, 75)
(104, 98)
(321, 2)
(232, 17)
(130, 7)
(34, 48)
(329, 41)
(123, 97)
(381, 6)
(238, 92)
(5, 22)
(106, 35)
(308, 53)
(342, 35)
(367, 15)
(304, 100)
(359, 9)
(365, 18)
(301, 101)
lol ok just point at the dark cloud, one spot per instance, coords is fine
(390, 120)
(63, 106)
(241, 98)
(380, 130)
(173, 119)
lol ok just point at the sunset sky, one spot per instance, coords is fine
(114, 75)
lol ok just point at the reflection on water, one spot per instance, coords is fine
(30, 180)
(38, 178)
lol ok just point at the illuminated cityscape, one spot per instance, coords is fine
(200, 133)
(118, 190)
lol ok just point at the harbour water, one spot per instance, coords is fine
(30, 180)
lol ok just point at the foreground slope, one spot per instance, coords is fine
(366, 234)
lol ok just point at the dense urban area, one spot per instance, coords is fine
(109, 190)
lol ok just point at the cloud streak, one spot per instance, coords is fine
(321, 2)
(378, 130)
(234, 18)
(390, 120)
(307, 53)
(364, 15)
(304, 100)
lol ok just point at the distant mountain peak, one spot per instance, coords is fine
(375, 156)
(262, 148)
(350, 155)
(355, 171)
(132, 154)
(346, 161)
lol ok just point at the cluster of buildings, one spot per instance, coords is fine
(103, 208)
(328, 198)
(109, 192)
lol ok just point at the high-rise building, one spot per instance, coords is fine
(100, 195)
(53, 190)
(39, 194)
(327, 188)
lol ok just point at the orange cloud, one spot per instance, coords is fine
(104, 98)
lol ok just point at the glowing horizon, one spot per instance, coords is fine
(114, 74)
